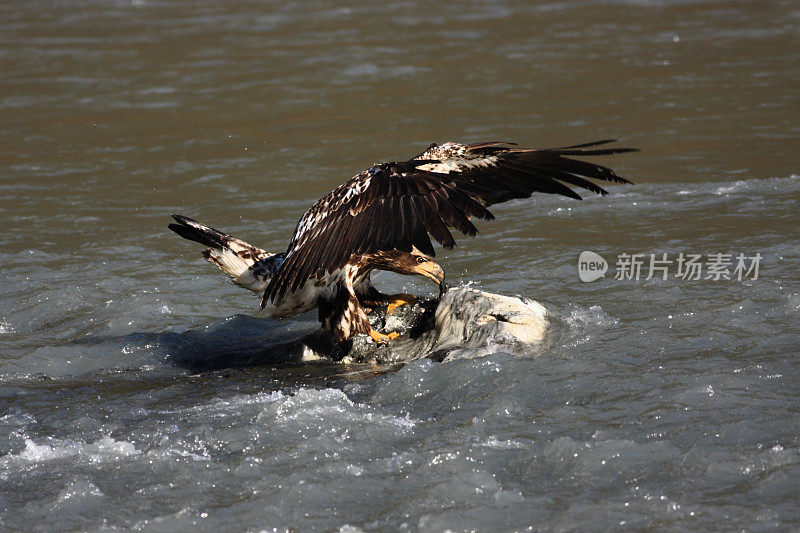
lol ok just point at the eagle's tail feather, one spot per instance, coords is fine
(247, 266)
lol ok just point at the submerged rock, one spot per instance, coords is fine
(465, 322)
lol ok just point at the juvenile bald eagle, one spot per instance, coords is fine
(381, 219)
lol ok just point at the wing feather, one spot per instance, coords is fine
(453, 216)
(433, 223)
(421, 239)
(537, 180)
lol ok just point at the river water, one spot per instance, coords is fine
(658, 403)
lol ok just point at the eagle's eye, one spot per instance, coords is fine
(421, 259)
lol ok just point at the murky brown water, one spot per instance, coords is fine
(115, 114)
(118, 110)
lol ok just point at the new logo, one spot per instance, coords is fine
(591, 266)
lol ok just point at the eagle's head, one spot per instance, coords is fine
(425, 266)
(422, 265)
(413, 263)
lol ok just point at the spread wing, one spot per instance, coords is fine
(398, 205)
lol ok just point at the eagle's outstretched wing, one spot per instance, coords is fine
(397, 205)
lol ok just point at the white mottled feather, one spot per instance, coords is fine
(315, 217)
(454, 157)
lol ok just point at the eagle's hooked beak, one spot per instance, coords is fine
(431, 271)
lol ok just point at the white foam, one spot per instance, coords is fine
(104, 449)
(594, 316)
(494, 442)
(793, 303)
(37, 453)
(347, 528)
(331, 404)
(79, 489)
(733, 187)
(234, 404)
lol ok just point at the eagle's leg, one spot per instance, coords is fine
(382, 338)
(344, 316)
(398, 300)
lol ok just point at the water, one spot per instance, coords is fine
(127, 399)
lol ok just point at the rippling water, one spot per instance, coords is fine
(127, 399)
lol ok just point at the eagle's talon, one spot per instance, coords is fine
(399, 300)
(382, 338)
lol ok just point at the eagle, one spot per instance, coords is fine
(383, 219)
